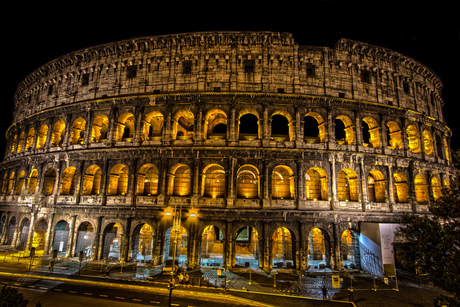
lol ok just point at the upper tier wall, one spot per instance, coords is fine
(231, 62)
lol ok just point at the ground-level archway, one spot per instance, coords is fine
(142, 243)
(61, 237)
(349, 248)
(179, 246)
(319, 254)
(247, 251)
(85, 235)
(212, 247)
(282, 251)
(112, 241)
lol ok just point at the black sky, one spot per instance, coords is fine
(427, 32)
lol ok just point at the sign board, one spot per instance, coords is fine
(336, 281)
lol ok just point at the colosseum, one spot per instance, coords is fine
(227, 149)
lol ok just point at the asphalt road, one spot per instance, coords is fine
(54, 293)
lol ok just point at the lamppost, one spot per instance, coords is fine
(176, 229)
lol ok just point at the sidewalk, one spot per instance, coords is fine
(271, 290)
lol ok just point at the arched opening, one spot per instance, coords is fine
(180, 180)
(38, 240)
(152, 128)
(280, 128)
(347, 185)
(318, 249)
(400, 188)
(13, 143)
(421, 189)
(11, 228)
(100, 129)
(283, 182)
(248, 126)
(142, 243)
(61, 237)
(394, 137)
(125, 128)
(413, 138)
(30, 139)
(77, 131)
(370, 129)
(316, 184)
(176, 243)
(215, 125)
(436, 187)
(314, 130)
(118, 181)
(446, 148)
(376, 186)
(213, 181)
(19, 183)
(428, 142)
(439, 146)
(48, 182)
(350, 249)
(184, 125)
(42, 135)
(247, 182)
(21, 141)
(85, 234)
(343, 130)
(57, 135)
(112, 241)
(247, 251)
(147, 180)
(282, 252)
(91, 181)
(212, 247)
(68, 181)
(23, 234)
(10, 184)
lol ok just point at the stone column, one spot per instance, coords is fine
(49, 235)
(97, 240)
(70, 242)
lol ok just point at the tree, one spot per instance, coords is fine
(10, 297)
(432, 242)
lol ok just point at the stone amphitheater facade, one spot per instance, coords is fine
(269, 143)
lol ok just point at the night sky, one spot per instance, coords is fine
(427, 32)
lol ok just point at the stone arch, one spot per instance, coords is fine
(178, 247)
(314, 128)
(152, 128)
(247, 182)
(11, 229)
(19, 183)
(32, 183)
(394, 135)
(213, 182)
(91, 180)
(68, 181)
(370, 130)
(428, 142)
(183, 125)
(30, 139)
(400, 188)
(436, 187)
(211, 246)
(319, 248)
(282, 127)
(376, 190)
(147, 180)
(61, 237)
(283, 248)
(77, 131)
(125, 127)
(413, 138)
(118, 180)
(247, 247)
(112, 241)
(439, 146)
(10, 183)
(215, 124)
(49, 178)
(343, 130)
(446, 149)
(349, 247)
(20, 142)
(347, 185)
(248, 125)
(100, 129)
(41, 138)
(180, 180)
(142, 242)
(57, 135)
(283, 185)
(13, 144)
(421, 189)
(316, 184)
(85, 236)
(40, 232)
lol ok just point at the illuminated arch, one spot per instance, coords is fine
(147, 180)
(30, 139)
(21, 141)
(118, 180)
(316, 184)
(427, 142)
(33, 180)
(10, 184)
(91, 180)
(436, 187)
(282, 124)
(41, 138)
(347, 185)
(19, 183)
(180, 180)
(282, 248)
(414, 138)
(376, 186)
(125, 127)
(283, 182)
(248, 125)
(394, 135)
(446, 148)
(400, 188)
(57, 135)
(100, 129)
(77, 131)
(371, 134)
(314, 128)
(215, 124)
(13, 143)
(343, 130)
(213, 183)
(68, 181)
(183, 125)
(49, 179)
(152, 128)
(421, 189)
(247, 182)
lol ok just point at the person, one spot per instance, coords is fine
(324, 293)
(51, 266)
